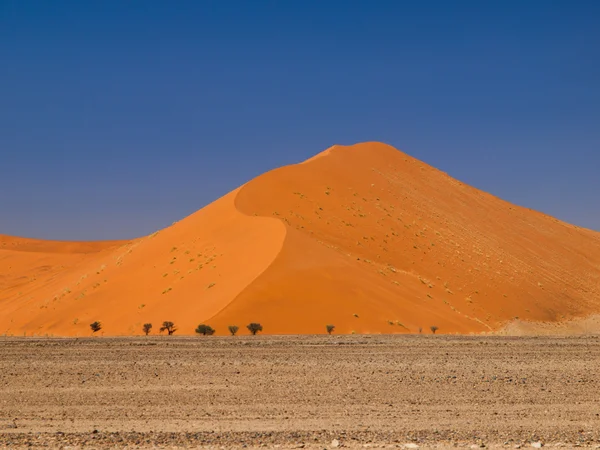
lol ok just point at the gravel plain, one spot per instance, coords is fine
(355, 391)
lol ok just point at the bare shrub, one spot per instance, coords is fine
(147, 327)
(96, 326)
(169, 327)
(254, 327)
(205, 330)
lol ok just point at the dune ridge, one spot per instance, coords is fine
(363, 237)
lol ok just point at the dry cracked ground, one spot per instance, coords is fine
(300, 392)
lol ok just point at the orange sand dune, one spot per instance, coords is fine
(363, 237)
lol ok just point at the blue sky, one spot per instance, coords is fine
(118, 118)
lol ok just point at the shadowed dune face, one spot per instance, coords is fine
(363, 237)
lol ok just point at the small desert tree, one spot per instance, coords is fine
(205, 330)
(330, 328)
(169, 327)
(254, 327)
(233, 329)
(433, 329)
(147, 327)
(96, 326)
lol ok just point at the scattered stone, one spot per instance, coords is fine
(335, 443)
(537, 444)
(411, 445)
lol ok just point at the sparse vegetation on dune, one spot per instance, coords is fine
(233, 329)
(146, 328)
(330, 328)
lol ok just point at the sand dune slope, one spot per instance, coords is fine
(185, 274)
(377, 234)
(363, 237)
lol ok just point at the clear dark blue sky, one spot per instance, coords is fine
(119, 117)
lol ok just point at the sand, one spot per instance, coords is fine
(363, 391)
(363, 237)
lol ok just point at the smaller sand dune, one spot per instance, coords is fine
(185, 274)
(21, 244)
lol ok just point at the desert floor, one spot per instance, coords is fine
(359, 391)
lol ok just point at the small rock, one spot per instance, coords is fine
(335, 443)
(411, 445)
(537, 444)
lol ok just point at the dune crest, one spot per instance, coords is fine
(363, 237)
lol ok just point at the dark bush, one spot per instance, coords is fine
(233, 329)
(169, 327)
(147, 327)
(330, 328)
(254, 327)
(96, 326)
(205, 330)
(433, 329)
